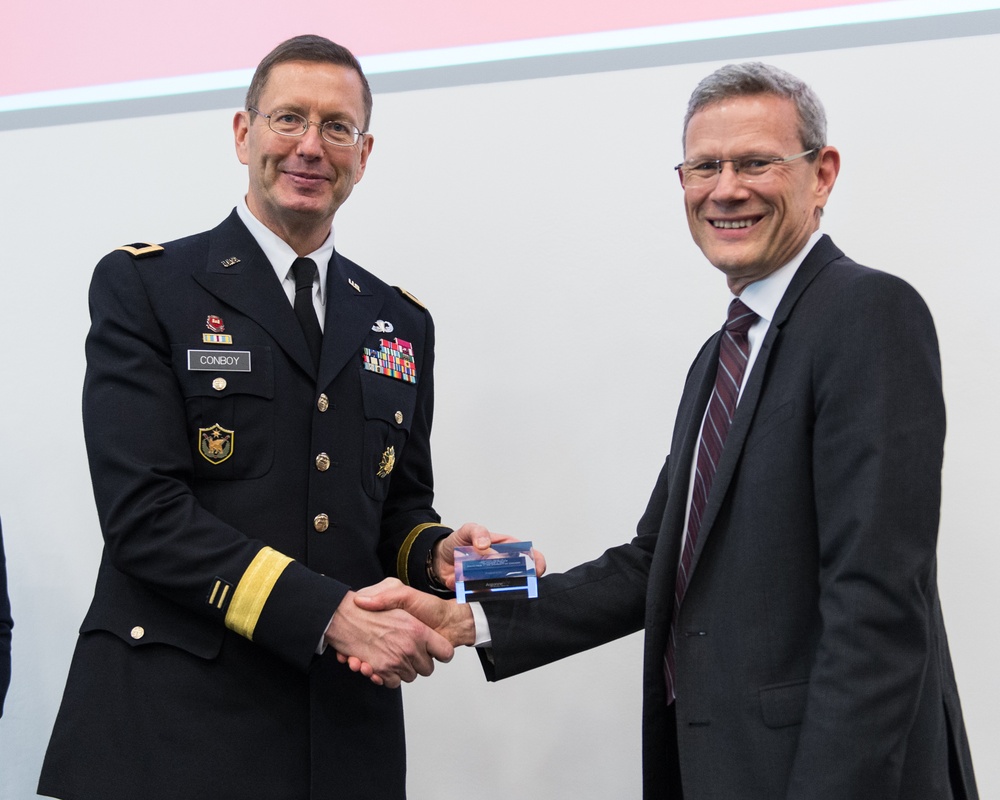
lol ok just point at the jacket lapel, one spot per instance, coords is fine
(353, 303)
(822, 254)
(237, 272)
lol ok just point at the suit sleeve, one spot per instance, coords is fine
(588, 606)
(157, 534)
(878, 445)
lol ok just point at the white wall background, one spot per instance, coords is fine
(542, 223)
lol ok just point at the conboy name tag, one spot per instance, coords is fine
(219, 361)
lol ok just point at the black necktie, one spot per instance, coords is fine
(304, 270)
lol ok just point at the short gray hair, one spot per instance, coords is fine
(754, 78)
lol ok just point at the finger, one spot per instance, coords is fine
(539, 561)
(439, 647)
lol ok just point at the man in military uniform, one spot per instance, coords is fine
(257, 411)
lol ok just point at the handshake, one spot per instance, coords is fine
(391, 633)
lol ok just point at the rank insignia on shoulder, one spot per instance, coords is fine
(387, 463)
(393, 359)
(409, 297)
(215, 443)
(141, 249)
(220, 593)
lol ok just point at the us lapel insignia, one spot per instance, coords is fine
(228, 262)
(215, 443)
(382, 326)
(387, 463)
(354, 285)
(393, 358)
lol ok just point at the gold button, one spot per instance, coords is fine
(137, 632)
(219, 384)
(323, 403)
(322, 462)
(321, 522)
(399, 417)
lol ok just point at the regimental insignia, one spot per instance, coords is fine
(382, 326)
(216, 338)
(387, 463)
(215, 324)
(393, 358)
(215, 444)
(228, 262)
(141, 249)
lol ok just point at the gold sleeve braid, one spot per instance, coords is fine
(253, 590)
(403, 558)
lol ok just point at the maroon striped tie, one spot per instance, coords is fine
(734, 351)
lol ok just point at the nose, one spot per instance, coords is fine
(310, 143)
(728, 184)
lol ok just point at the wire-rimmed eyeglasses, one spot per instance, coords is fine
(288, 123)
(748, 169)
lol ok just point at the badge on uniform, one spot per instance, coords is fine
(387, 463)
(215, 443)
(393, 358)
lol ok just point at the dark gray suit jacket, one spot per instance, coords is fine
(812, 661)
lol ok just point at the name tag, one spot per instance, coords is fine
(218, 361)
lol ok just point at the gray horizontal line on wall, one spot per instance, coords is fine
(735, 48)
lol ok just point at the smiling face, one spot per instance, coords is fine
(749, 230)
(297, 183)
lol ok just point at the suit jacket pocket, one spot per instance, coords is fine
(783, 704)
(139, 617)
(230, 415)
(388, 406)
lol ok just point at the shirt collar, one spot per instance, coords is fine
(763, 296)
(278, 251)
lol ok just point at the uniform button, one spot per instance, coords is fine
(322, 462)
(399, 417)
(219, 384)
(137, 632)
(323, 403)
(321, 522)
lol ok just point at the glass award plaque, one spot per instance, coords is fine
(505, 573)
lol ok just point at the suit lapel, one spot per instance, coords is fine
(238, 273)
(822, 254)
(353, 303)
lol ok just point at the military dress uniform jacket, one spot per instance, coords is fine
(240, 496)
(811, 657)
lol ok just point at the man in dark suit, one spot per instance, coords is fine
(258, 434)
(6, 623)
(784, 569)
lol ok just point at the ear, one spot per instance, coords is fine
(241, 129)
(366, 150)
(827, 169)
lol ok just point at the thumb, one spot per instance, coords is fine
(379, 602)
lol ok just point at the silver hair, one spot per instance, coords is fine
(754, 78)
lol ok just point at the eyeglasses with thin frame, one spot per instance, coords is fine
(288, 123)
(748, 169)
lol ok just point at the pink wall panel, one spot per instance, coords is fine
(59, 44)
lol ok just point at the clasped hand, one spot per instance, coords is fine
(391, 633)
